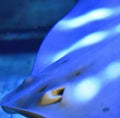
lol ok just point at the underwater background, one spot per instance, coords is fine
(23, 26)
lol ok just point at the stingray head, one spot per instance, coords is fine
(32, 96)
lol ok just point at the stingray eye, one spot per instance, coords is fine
(52, 96)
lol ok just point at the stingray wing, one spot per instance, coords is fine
(67, 34)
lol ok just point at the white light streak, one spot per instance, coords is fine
(91, 16)
(86, 41)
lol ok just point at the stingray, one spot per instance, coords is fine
(76, 73)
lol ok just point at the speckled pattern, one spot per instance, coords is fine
(13, 69)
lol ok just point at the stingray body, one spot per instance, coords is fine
(77, 70)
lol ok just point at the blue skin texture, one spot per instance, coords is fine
(77, 69)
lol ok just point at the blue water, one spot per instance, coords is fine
(13, 69)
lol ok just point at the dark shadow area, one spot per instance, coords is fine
(19, 46)
(24, 24)
(22, 41)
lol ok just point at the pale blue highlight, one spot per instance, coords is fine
(112, 71)
(117, 29)
(97, 14)
(87, 89)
